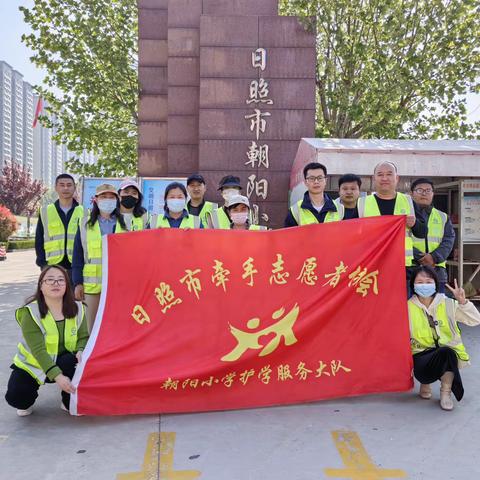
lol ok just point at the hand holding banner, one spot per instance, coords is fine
(196, 320)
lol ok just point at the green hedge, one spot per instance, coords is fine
(21, 244)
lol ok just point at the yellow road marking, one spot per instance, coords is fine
(358, 463)
(158, 461)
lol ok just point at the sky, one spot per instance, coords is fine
(14, 52)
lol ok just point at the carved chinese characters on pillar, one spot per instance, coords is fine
(258, 152)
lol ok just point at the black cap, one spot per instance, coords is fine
(229, 181)
(196, 177)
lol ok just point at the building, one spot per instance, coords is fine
(43, 153)
(19, 140)
(28, 116)
(17, 116)
(6, 73)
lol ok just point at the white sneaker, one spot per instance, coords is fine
(25, 413)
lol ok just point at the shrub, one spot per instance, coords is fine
(21, 244)
(8, 223)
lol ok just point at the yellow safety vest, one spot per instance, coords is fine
(92, 251)
(436, 229)
(54, 233)
(305, 217)
(24, 358)
(161, 221)
(368, 207)
(447, 331)
(207, 208)
(135, 224)
(219, 219)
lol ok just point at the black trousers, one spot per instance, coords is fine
(22, 390)
(430, 365)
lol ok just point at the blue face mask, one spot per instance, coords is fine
(107, 205)
(424, 289)
(175, 205)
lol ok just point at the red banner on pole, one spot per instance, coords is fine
(197, 320)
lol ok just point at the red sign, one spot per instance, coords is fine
(197, 320)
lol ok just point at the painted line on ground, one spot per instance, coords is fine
(158, 461)
(358, 464)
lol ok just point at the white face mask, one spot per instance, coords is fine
(228, 192)
(176, 205)
(107, 205)
(239, 218)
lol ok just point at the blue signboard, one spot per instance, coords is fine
(153, 190)
(89, 185)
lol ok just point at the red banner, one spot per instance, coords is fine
(196, 320)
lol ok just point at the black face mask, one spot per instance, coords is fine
(129, 201)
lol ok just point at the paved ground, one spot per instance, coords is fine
(369, 438)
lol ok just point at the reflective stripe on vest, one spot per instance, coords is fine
(135, 224)
(368, 207)
(92, 251)
(54, 233)
(421, 335)
(305, 217)
(436, 228)
(208, 207)
(219, 219)
(161, 221)
(257, 228)
(24, 358)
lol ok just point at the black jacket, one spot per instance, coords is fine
(39, 240)
(328, 206)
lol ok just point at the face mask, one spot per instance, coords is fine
(175, 205)
(239, 218)
(424, 289)
(107, 205)
(228, 192)
(129, 201)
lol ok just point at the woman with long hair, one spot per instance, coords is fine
(175, 210)
(54, 335)
(105, 218)
(135, 215)
(436, 343)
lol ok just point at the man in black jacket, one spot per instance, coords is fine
(438, 244)
(57, 226)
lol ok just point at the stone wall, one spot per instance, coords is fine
(197, 98)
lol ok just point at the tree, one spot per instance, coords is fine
(19, 192)
(393, 69)
(89, 52)
(8, 224)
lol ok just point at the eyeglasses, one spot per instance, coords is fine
(54, 281)
(315, 179)
(421, 191)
